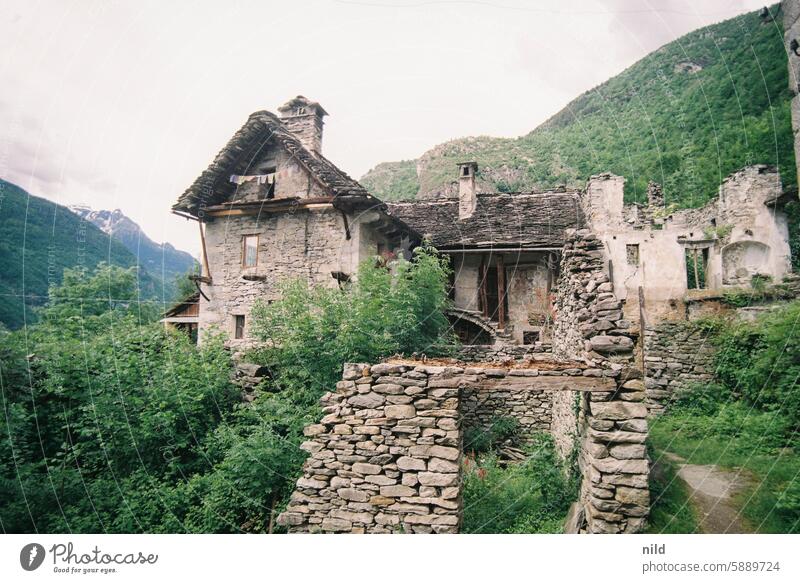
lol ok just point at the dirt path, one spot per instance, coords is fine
(711, 491)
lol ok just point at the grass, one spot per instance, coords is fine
(732, 437)
(530, 497)
(671, 513)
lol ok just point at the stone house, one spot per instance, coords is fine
(504, 251)
(271, 207)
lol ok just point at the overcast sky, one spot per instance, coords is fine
(122, 104)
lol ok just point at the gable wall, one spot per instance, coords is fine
(292, 179)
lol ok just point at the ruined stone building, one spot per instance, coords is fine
(569, 305)
(271, 207)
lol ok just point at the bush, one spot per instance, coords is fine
(530, 497)
(388, 309)
(760, 362)
(701, 398)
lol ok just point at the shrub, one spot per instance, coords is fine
(701, 398)
(761, 361)
(533, 496)
(387, 310)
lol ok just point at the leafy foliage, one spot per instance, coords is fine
(760, 362)
(388, 309)
(111, 423)
(658, 120)
(530, 497)
(485, 439)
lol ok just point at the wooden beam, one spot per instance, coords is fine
(483, 297)
(501, 292)
(550, 383)
(205, 271)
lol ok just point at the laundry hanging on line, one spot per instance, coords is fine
(261, 178)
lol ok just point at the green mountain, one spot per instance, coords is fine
(685, 116)
(38, 239)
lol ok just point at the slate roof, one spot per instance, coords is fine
(212, 186)
(531, 220)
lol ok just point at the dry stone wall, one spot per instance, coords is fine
(677, 355)
(386, 457)
(589, 323)
(502, 352)
(611, 425)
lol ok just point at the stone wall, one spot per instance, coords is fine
(611, 424)
(589, 323)
(565, 422)
(677, 354)
(615, 496)
(483, 403)
(500, 352)
(386, 457)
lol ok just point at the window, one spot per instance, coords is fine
(250, 250)
(238, 326)
(530, 336)
(465, 171)
(696, 268)
(632, 253)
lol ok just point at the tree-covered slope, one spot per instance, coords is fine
(160, 259)
(686, 116)
(38, 239)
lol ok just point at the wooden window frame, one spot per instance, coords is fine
(236, 335)
(244, 250)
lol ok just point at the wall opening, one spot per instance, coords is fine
(238, 326)
(742, 260)
(697, 268)
(632, 253)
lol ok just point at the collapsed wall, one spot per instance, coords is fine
(386, 457)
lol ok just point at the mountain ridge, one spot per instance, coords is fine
(39, 239)
(686, 115)
(161, 259)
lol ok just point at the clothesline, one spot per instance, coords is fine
(261, 178)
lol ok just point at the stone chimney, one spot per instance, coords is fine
(303, 118)
(467, 197)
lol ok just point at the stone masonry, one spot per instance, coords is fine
(386, 457)
(677, 355)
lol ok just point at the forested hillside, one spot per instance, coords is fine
(159, 259)
(686, 116)
(38, 239)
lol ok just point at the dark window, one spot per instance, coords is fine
(238, 322)
(466, 171)
(249, 250)
(530, 337)
(632, 253)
